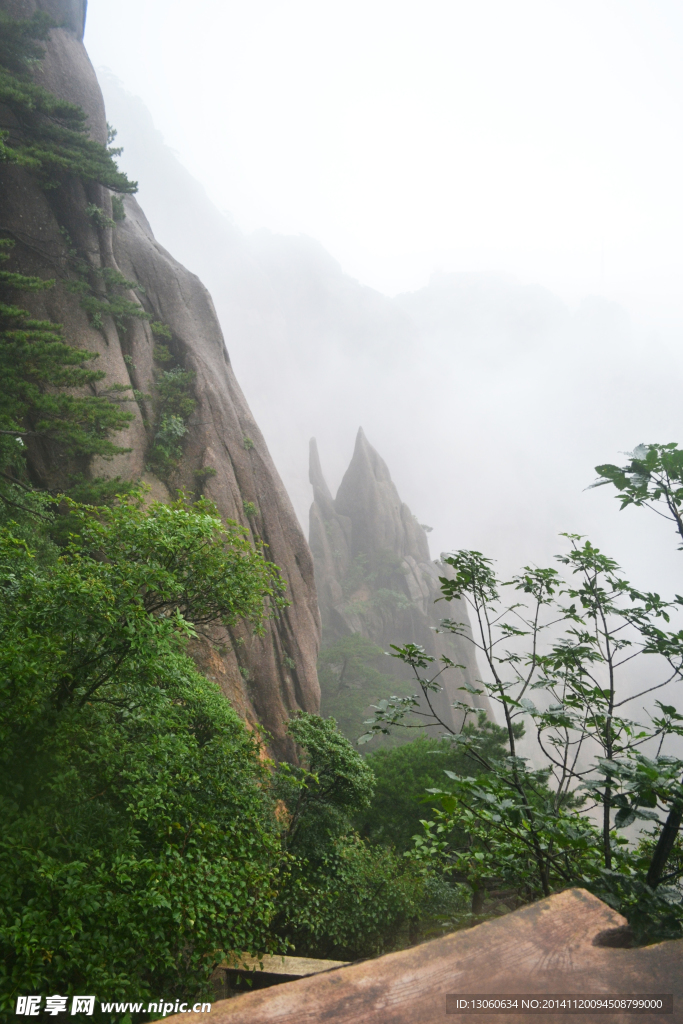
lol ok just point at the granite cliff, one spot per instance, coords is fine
(224, 455)
(375, 577)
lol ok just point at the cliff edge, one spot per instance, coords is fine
(223, 455)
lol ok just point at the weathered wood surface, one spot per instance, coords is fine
(547, 948)
(292, 966)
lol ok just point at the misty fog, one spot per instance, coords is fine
(492, 379)
(491, 400)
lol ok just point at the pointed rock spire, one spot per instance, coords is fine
(374, 574)
(330, 536)
(315, 473)
(381, 521)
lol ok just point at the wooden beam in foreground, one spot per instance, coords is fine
(292, 966)
(564, 945)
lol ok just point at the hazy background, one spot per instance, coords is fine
(456, 224)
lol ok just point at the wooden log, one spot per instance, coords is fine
(563, 945)
(292, 966)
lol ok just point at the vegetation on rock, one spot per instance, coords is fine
(47, 135)
(40, 372)
(351, 679)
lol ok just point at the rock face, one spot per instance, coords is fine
(374, 574)
(265, 677)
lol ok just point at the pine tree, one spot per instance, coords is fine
(39, 372)
(48, 390)
(46, 134)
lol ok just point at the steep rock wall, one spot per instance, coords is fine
(374, 574)
(265, 677)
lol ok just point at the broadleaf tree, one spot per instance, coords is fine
(556, 658)
(138, 843)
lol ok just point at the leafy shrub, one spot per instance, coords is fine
(161, 331)
(355, 901)
(341, 897)
(136, 843)
(404, 774)
(175, 402)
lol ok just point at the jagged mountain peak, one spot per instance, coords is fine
(373, 572)
(381, 521)
(315, 474)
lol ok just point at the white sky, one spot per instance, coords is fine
(539, 137)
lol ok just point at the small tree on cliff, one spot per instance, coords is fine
(40, 377)
(49, 393)
(48, 135)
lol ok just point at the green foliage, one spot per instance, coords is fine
(167, 448)
(350, 681)
(20, 47)
(247, 444)
(162, 354)
(118, 307)
(353, 902)
(654, 913)
(653, 478)
(174, 391)
(118, 211)
(405, 773)
(110, 302)
(249, 508)
(136, 844)
(175, 403)
(555, 658)
(48, 136)
(38, 375)
(99, 490)
(332, 781)
(97, 214)
(501, 829)
(105, 299)
(341, 897)
(159, 330)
